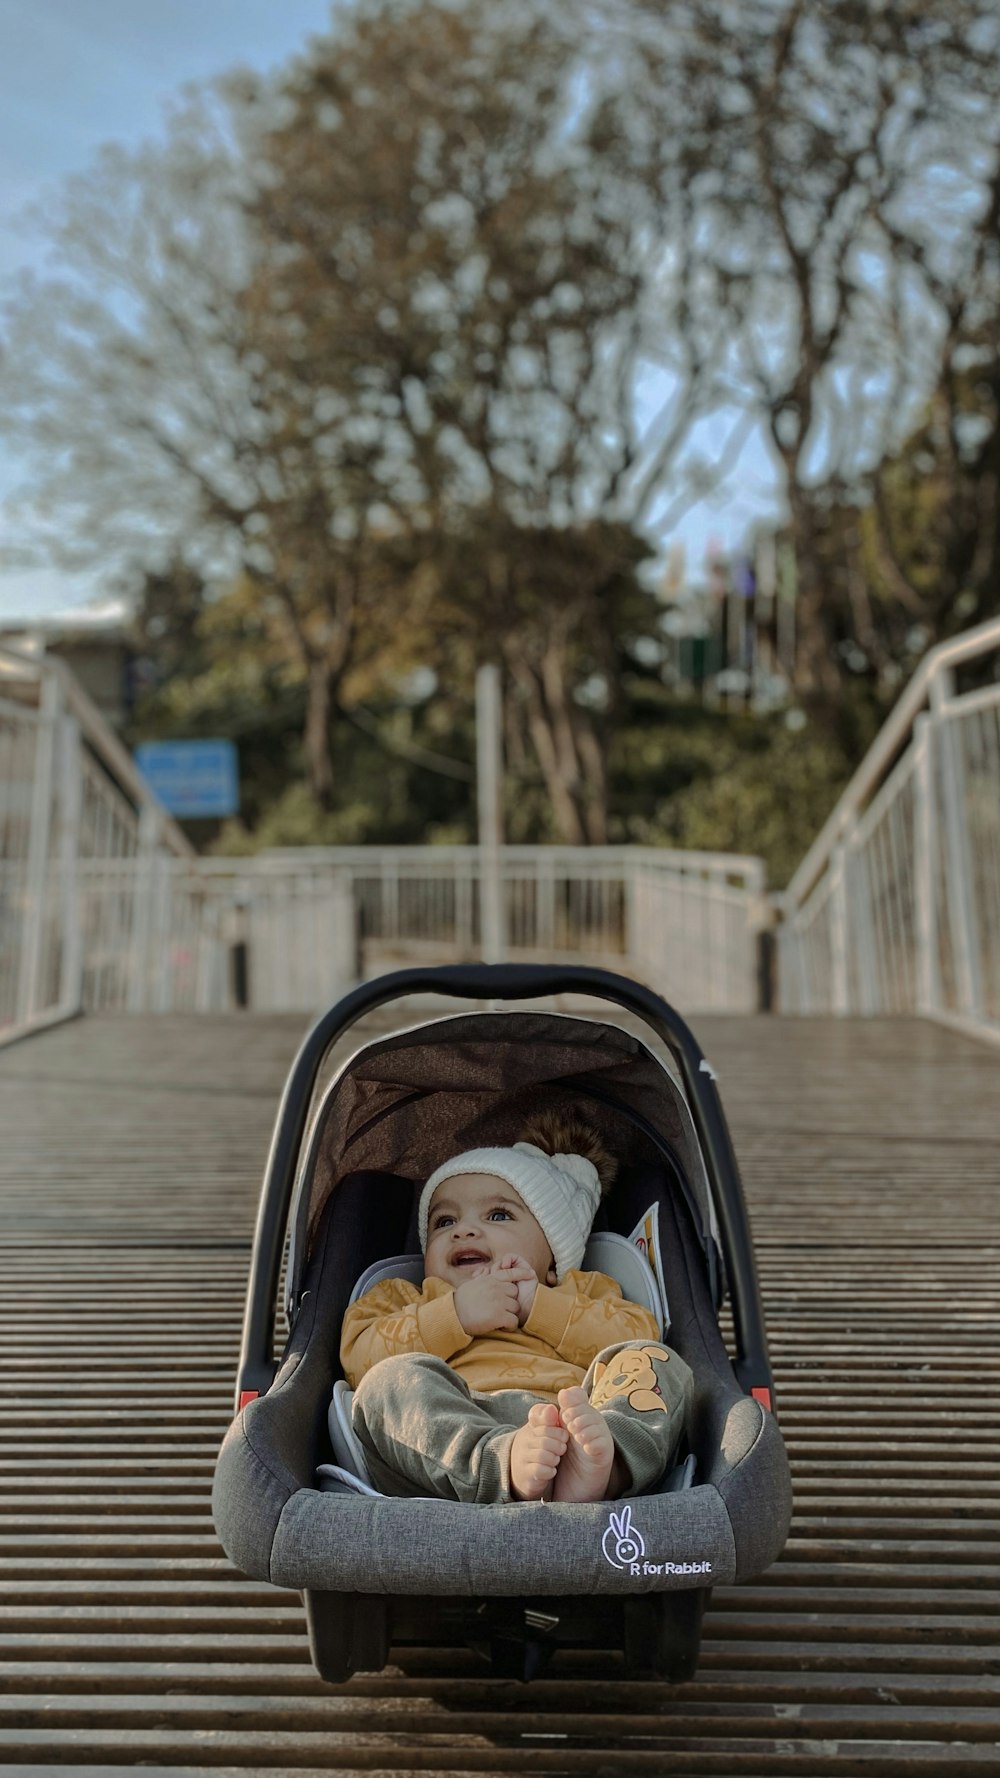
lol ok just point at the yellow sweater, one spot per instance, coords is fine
(569, 1323)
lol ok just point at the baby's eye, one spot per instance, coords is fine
(500, 1215)
(442, 1221)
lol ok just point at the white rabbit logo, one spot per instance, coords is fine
(622, 1543)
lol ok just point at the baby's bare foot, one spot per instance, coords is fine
(536, 1452)
(586, 1469)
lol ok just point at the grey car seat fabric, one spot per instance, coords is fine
(278, 1525)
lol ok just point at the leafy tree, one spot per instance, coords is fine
(914, 555)
(467, 261)
(682, 776)
(164, 422)
(832, 186)
(407, 347)
(928, 538)
(208, 668)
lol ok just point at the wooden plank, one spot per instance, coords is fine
(127, 1194)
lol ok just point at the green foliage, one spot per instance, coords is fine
(380, 797)
(211, 677)
(686, 777)
(678, 774)
(295, 818)
(723, 783)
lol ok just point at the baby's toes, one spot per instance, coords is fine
(594, 1439)
(553, 1441)
(573, 1398)
(545, 1462)
(544, 1413)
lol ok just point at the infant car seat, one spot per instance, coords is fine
(292, 1504)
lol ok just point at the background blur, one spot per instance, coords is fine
(650, 350)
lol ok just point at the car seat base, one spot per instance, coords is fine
(348, 1633)
(658, 1634)
(662, 1635)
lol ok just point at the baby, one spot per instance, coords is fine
(510, 1374)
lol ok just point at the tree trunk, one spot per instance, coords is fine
(565, 745)
(595, 781)
(565, 808)
(565, 813)
(317, 737)
(817, 674)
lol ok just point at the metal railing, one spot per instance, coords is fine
(85, 851)
(309, 918)
(895, 909)
(896, 906)
(105, 907)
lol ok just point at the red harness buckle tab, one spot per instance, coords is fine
(245, 1396)
(763, 1396)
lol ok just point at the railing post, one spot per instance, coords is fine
(70, 808)
(712, 887)
(792, 995)
(958, 857)
(389, 885)
(235, 933)
(29, 997)
(545, 903)
(209, 952)
(630, 944)
(928, 974)
(139, 997)
(860, 929)
(758, 942)
(840, 986)
(463, 879)
(161, 933)
(488, 796)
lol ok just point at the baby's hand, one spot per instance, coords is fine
(488, 1303)
(513, 1266)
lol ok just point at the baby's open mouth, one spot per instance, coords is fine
(470, 1257)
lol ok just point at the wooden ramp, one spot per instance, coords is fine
(129, 1168)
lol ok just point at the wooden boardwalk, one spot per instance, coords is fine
(129, 1168)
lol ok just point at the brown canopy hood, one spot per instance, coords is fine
(404, 1103)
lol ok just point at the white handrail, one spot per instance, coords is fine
(889, 741)
(73, 812)
(743, 865)
(896, 905)
(99, 735)
(105, 905)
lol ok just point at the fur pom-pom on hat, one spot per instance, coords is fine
(557, 1132)
(561, 1185)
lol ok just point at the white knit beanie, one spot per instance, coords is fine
(562, 1191)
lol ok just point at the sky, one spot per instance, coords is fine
(75, 74)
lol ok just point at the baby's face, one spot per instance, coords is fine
(474, 1220)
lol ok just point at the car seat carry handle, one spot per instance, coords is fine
(502, 981)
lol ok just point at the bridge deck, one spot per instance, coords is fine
(129, 1166)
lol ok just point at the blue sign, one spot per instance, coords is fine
(192, 777)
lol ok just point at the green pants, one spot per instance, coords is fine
(424, 1431)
